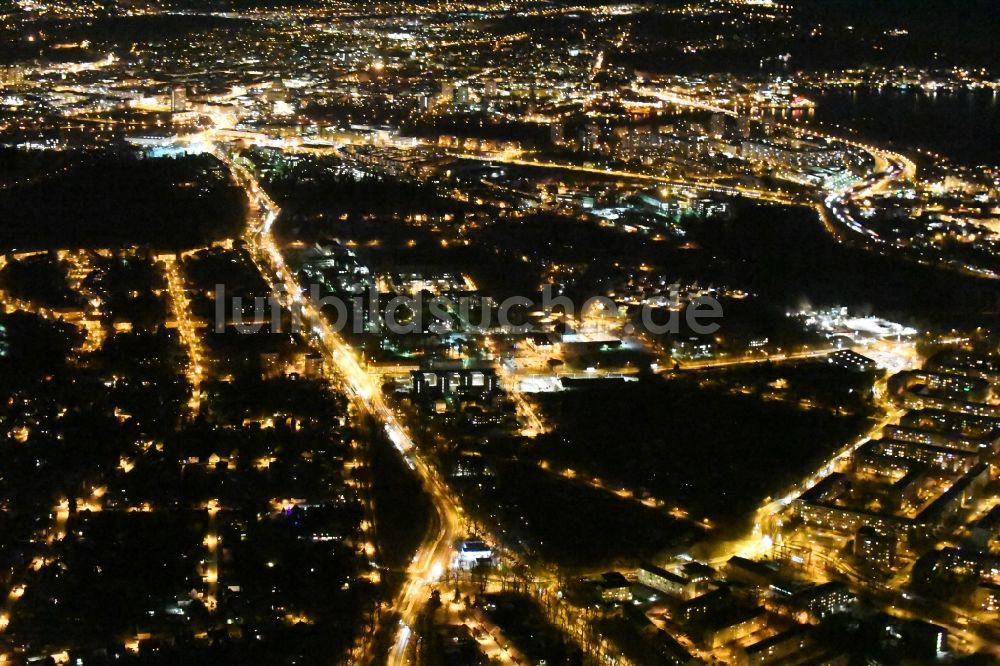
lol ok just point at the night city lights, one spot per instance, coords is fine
(538, 332)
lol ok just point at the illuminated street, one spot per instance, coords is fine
(521, 332)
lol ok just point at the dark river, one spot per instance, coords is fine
(964, 126)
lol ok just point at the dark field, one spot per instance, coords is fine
(715, 453)
(555, 520)
(118, 201)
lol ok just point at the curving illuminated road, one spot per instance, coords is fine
(891, 169)
(434, 554)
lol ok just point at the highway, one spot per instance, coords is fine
(748, 360)
(891, 169)
(771, 196)
(361, 388)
